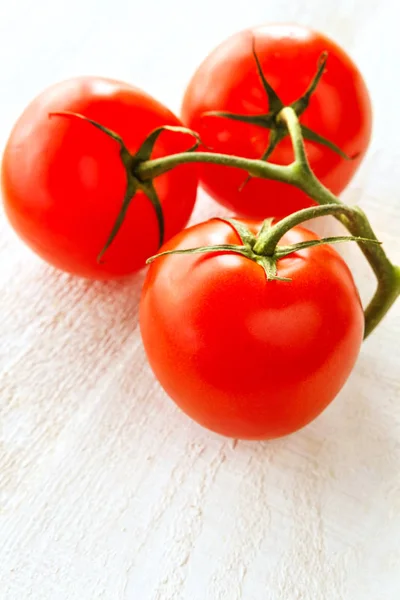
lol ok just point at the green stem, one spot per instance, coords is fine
(355, 221)
(268, 240)
(256, 168)
(300, 175)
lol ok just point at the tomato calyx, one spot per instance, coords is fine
(271, 120)
(264, 248)
(131, 162)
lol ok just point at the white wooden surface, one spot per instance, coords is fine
(107, 492)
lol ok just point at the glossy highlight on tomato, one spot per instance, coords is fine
(246, 357)
(227, 80)
(64, 182)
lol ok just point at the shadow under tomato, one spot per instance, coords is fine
(341, 470)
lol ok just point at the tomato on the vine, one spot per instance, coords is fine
(339, 111)
(64, 182)
(245, 356)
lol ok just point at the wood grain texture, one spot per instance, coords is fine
(108, 492)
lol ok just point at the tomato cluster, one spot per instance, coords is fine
(244, 354)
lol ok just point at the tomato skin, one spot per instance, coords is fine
(227, 80)
(64, 182)
(246, 357)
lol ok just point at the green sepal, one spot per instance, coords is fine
(268, 263)
(109, 132)
(311, 136)
(275, 104)
(270, 120)
(130, 161)
(245, 235)
(282, 251)
(146, 149)
(264, 121)
(243, 250)
(130, 192)
(300, 105)
(275, 136)
(150, 191)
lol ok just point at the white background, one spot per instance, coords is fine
(108, 492)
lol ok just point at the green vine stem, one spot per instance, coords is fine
(299, 174)
(256, 168)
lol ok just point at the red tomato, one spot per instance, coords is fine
(64, 182)
(227, 80)
(246, 357)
